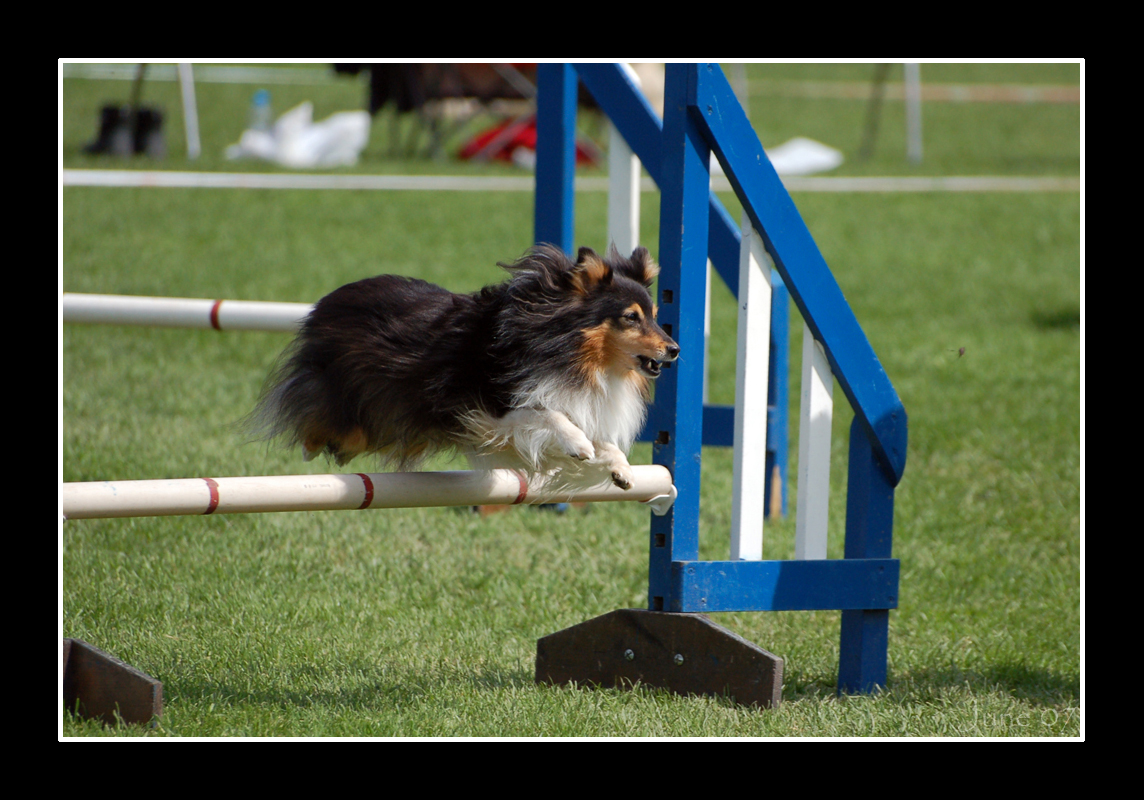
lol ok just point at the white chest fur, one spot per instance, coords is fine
(613, 410)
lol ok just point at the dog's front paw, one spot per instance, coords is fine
(584, 454)
(579, 448)
(623, 478)
(614, 460)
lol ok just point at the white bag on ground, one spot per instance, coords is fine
(296, 141)
(798, 156)
(802, 156)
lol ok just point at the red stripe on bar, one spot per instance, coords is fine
(368, 490)
(214, 496)
(520, 498)
(214, 315)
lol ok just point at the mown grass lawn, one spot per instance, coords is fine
(423, 622)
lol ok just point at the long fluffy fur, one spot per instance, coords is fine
(551, 365)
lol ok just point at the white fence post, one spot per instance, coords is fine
(623, 188)
(816, 415)
(623, 194)
(190, 110)
(913, 81)
(748, 503)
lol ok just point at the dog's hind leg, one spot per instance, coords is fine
(344, 448)
(349, 447)
(314, 444)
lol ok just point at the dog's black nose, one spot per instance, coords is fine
(672, 352)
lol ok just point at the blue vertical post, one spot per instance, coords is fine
(682, 302)
(869, 534)
(555, 154)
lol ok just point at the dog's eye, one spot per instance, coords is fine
(632, 317)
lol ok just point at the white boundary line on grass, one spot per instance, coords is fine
(323, 73)
(492, 183)
(968, 183)
(290, 74)
(276, 180)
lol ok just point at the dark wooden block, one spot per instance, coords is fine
(685, 653)
(99, 685)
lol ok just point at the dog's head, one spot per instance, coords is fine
(599, 306)
(621, 332)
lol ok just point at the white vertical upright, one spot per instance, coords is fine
(748, 503)
(913, 80)
(707, 337)
(190, 110)
(816, 415)
(623, 194)
(623, 188)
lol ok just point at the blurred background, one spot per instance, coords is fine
(972, 118)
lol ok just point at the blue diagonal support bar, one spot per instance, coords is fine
(642, 128)
(715, 108)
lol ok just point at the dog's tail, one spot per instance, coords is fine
(290, 404)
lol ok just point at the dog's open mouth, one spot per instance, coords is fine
(650, 366)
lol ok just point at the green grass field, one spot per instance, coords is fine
(423, 622)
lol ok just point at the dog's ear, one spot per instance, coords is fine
(590, 271)
(641, 267)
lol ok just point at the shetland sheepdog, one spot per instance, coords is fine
(551, 367)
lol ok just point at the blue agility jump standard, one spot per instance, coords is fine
(703, 117)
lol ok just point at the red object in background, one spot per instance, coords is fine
(500, 141)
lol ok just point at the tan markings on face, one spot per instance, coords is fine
(595, 350)
(614, 345)
(641, 341)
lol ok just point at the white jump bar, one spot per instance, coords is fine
(244, 495)
(178, 312)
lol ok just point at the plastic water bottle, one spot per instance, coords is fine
(261, 117)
